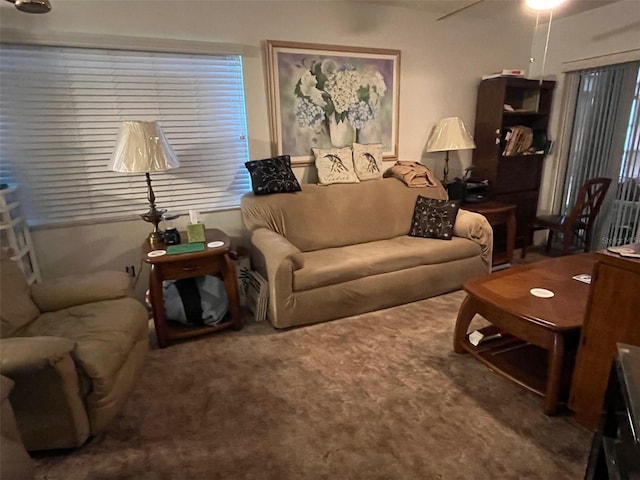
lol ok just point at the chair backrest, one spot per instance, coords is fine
(588, 203)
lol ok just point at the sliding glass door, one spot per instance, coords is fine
(605, 142)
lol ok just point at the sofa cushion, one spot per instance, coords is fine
(272, 175)
(16, 306)
(104, 332)
(433, 218)
(335, 165)
(336, 265)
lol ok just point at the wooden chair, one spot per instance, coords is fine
(579, 223)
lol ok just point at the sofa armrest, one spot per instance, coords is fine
(276, 259)
(475, 227)
(48, 396)
(64, 292)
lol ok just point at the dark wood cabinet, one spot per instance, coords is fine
(611, 317)
(504, 103)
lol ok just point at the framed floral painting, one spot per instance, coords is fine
(324, 96)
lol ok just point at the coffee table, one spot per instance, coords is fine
(539, 336)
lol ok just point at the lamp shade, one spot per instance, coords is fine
(141, 147)
(450, 134)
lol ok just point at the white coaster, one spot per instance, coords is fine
(541, 292)
(156, 253)
(215, 244)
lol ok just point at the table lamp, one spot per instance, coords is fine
(141, 147)
(449, 134)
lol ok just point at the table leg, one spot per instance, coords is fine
(157, 305)
(554, 375)
(231, 285)
(511, 234)
(467, 311)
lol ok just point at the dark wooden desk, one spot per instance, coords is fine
(498, 213)
(611, 317)
(210, 261)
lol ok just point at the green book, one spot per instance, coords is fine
(185, 248)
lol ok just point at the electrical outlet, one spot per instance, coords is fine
(131, 270)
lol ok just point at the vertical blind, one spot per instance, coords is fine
(623, 224)
(605, 142)
(594, 120)
(61, 109)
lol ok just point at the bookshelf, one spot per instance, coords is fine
(512, 118)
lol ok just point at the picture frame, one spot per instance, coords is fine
(330, 96)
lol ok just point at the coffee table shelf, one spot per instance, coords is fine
(513, 358)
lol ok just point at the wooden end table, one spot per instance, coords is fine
(536, 332)
(498, 213)
(210, 261)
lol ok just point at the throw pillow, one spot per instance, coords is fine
(433, 218)
(335, 165)
(367, 161)
(272, 175)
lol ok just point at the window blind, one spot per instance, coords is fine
(61, 110)
(605, 140)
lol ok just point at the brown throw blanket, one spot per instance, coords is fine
(414, 174)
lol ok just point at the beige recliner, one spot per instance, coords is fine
(74, 347)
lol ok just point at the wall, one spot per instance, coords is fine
(441, 64)
(594, 34)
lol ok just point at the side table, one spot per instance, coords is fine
(210, 261)
(498, 213)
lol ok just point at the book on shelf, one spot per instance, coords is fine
(517, 140)
(504, 73)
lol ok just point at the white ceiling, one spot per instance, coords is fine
(488, 8)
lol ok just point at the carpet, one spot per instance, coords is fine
(375, 396)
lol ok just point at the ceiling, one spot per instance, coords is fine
(487, 8)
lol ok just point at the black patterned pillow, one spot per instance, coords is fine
(433, 218)
(272, 175)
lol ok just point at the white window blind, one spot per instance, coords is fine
(61, 109)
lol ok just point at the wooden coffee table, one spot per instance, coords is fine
(539, 335)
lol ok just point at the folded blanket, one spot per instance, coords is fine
(414, 174)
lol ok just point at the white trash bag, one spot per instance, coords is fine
(196, 301)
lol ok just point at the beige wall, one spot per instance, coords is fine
(595, 34)
(441, 65)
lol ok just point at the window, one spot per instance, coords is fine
(61, 113)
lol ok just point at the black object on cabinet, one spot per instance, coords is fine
(504, 103)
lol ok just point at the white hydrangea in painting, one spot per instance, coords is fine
(338, 92)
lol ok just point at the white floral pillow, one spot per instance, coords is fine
(367, 161)
(335, 165)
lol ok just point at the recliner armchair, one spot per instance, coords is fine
(74, 347)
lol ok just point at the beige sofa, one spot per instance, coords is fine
(339, 250)
(74, 347)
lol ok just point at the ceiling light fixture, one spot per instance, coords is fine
(32, 6)
(543, 4)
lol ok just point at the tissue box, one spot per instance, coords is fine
(195, 232)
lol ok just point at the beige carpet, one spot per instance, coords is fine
(375, 396)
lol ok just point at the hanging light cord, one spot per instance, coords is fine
(532, 59)
(546, 46)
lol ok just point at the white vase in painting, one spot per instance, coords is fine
(369, 133)
(342, 133)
